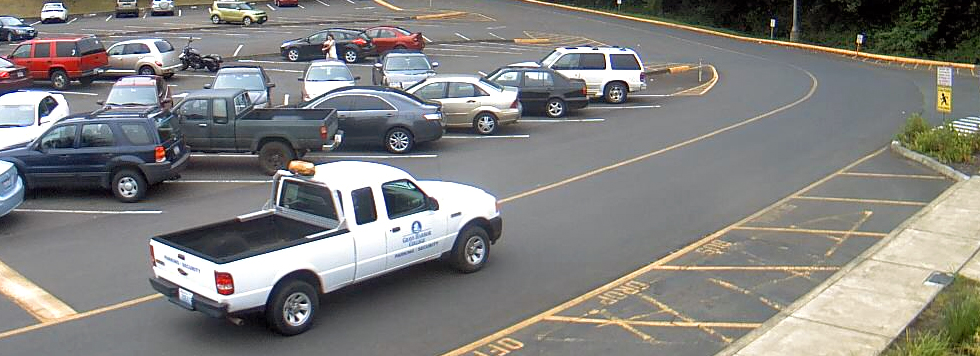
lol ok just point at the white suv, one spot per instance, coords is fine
(609, 72)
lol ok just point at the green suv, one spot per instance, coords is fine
(235, 11)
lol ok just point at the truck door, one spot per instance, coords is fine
(195, 124)
(414, 229)
(222, 125)
(371, 244)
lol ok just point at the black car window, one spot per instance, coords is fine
(538, 79)
(432, 91)
(136, 48)
(22, 51)
(624, 62)
(196, 109)
(592, 61)
(10, 21)
(136, 134)
(512, 78)
(90, 45)
(318, 38)
(42, 50)
(339, 103)
(568, 61)
(59, 138)
(386, 33)
(365, 103)
(163, 46)
(364, 208)
(402, 198)
(307, 198)
(461, 90)
(97, 135)
(65, 49)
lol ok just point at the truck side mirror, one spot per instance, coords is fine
(271, 85)
(207, 86)
(100, 102)
(378, 65)
(432, 203)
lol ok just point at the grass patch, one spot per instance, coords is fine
(943, 143)
(949, 326)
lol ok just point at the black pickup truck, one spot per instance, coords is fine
(224, 120)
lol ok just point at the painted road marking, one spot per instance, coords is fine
(180, 12)
(558, 121)
(35, 23)
(455, 55)
(228, 181)
(319, 154)
(426, 39)
(107, 18)
(388, 5)
(74, 93)
(889, 175)
(268, 62)
(461, 36)
(435, 48)
(270, 7)
(476, 137)
(494, 35)
(351, 1)
(731, 286)
(323, 3)
(364, 8)
(145, 13)
(810, 231)
(868, 201)
(80, 315)
(240, 45)
(301, 6)
(597, 107)
(746, 268)
(92, 212)
(683, 324)
(39, 303)
(283, 70)
(72, 20)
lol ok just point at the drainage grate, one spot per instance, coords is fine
(939, 279)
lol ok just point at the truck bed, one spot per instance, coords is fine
(236, 239)
(289, 114)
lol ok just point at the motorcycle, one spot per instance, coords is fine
(191, 58)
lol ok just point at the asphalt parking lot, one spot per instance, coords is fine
(705, 182)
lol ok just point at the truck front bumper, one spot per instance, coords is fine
(199, 303)
(497, 225)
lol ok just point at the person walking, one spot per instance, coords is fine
(329, 48)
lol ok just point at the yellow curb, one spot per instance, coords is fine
(678, 69)
(444, 15)
(36, 301)
(532, 40)
(386, 4)
(843, 52)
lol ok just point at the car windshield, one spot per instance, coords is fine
(132, 95)
(328, 73)
(407, 63)
(244, 6)
(10, 21)
(550, 58)
(247, 81)
(16, 115)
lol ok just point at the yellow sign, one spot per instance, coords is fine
(944, 99)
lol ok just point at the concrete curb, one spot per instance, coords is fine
(532, 40)
(445, 15)
(388, 5)
(257, 55)
(928, 162)
(843, 52)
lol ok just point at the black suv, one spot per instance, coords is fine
(125, 154)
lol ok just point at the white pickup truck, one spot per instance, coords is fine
(326, 227)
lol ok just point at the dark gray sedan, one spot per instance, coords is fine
(370, 114)
(402, 69)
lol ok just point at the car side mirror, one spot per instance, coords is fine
(435, 64)
(207, 86)
(357, 78)
(378, 65)
(300, 79)
(100, 102)
(271, 85)
(432, 203)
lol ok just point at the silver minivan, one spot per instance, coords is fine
(144, 57)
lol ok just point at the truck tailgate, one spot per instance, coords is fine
(190, 272)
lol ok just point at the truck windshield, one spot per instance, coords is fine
(132, 95)
(247, 81)
(308, 198)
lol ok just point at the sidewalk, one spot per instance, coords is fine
(869, 302)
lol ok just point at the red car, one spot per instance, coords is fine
(281, 3)
(386, 38)
(62, 60)
(13, 77)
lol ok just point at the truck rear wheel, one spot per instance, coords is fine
(292, 308)
(471, 250)
(274, 156)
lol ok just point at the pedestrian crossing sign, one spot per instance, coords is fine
(944, 99)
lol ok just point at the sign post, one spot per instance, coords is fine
(944, 90)
(772, 28)
(859, 41)
(619, 5)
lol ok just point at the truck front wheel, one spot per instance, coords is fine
(471, 250)
(291, 310)
(274, 156)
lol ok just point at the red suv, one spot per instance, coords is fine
(62, 60)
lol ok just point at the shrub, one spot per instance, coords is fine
(923, 344)
(914, 126)
(945, 144)
(962, 318)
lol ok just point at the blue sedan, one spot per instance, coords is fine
(11, 188)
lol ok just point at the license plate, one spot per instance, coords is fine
(20, 74)
(186, 297)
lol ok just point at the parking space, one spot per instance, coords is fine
(708, 294)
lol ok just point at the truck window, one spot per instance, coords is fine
(624, 62)
(402, 198)
(364, 209)
(61, 137)
(167, 130)
(307, 198)
(97, 135)
(136, 134)
(196, 109)
(42, 50)
(219, 111)
(241, 103)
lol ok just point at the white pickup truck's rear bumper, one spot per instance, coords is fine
(199, 303)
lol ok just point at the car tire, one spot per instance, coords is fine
(247, 21)
(86, 80)
(59, 79)
(274, 156)
(351, 56)
(146, 70)
(168, 75)
(615, 93)
(10, 37)
(555, 108)
(471, 250)
(485, 123)
(291, 310)
(128, 185)
(215, 19)
(292, 54)
(213, 67)
(399, 140)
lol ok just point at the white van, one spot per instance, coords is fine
(609, 72)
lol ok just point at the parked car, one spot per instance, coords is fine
(127, 7)
(323, 229)
(11, 188)
(281, 3)
(392, 117)
(13, 77)
(26, 114)
(54, 12)
(158, 7)
(388, 38)
(402, 69)
(543, 89)
(62, 60)
(471, 101)
(237, 12)
(610, 73)
(144, 57)
(251, 78)
(224, 120)
(13, 29)
(325, 75)
(352, 45)
(123, 154)
(146, 95)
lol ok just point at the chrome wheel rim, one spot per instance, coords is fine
(398, 141)
(297, 309)
(146, 71)
(215, 19)
(555, 108)
(293, 55)
(128, 187)
(485, 123)
(350, 56)
(60, 82)
(476, 250)
(616, 93)
(247, 21)
(10, 37)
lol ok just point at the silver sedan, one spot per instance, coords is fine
(471, 101)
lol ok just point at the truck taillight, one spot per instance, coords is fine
(643, 77)
(153, 259)
(514, 104)
(160, 154)
(224, 283)
(323, 132)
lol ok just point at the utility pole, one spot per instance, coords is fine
(794, 33)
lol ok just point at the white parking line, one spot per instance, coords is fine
(494, 35)
(283, 70)
(301, 6)
(230, 181)
(426, 39)
(435, 48)
(72, 20)
(107, 18)
(267, 62)
(456, 55)
(285, 99)
(236, 34)
(461, 36)
(240, 45)
(316, 154)
(365, 8)
(196, 76)
(35, 23)
(477, 137)
(74, 93)
(94, 212)
(180, 12)
(621, 107)
(270, 6)
(324, 4)
(558, 121)
(351, 1)
(145, 13)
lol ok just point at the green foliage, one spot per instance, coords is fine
(962, 318)
(914, 125)
(923, 344)
(945, 144)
